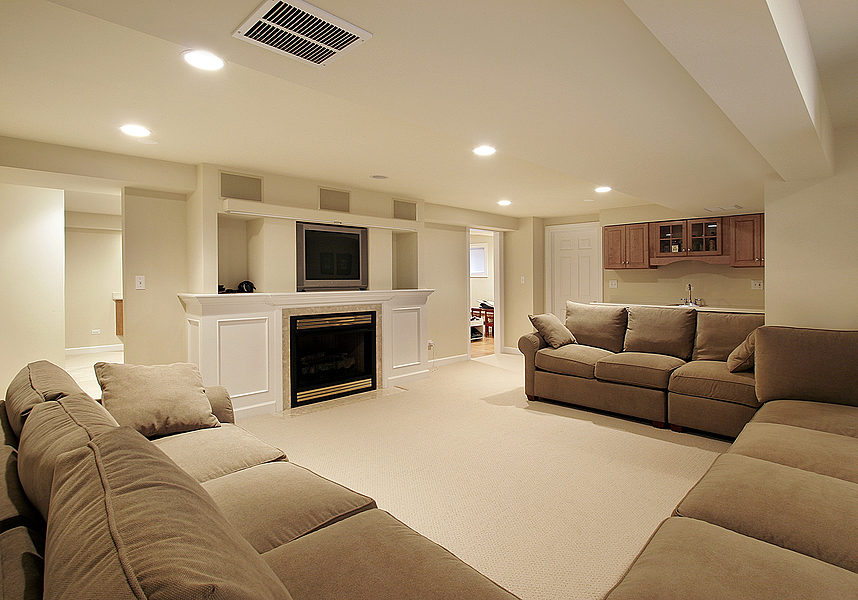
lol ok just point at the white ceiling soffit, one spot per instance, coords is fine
(764, 79)
(300, 31)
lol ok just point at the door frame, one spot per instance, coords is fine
(497, 272)
(550, 230)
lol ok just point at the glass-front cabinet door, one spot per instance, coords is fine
(670, 236)
(704, 236)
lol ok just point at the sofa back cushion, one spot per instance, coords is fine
(21, 564)
(51, 429)
(806, 364)
(667, 331)
(597, 326)
(128, 523)
(718, 334)
(37, 382)
(156, 400)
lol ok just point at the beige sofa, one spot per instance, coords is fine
(665, 365)
(776, 517)
(92, 510)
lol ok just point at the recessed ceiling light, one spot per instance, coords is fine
(203, 59)
(484, 150)
(378, 176)
(134, 130)
(602, 189)
(504, 202)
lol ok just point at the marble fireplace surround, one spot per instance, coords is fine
(241, 341)
(319, 310)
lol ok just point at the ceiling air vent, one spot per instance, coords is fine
(300, 30)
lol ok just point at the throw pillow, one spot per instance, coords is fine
(552, 330)
(742, 358)
(156, 400)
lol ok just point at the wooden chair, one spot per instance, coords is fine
(476, 313)
(489, 321)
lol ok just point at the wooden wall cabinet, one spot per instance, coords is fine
(626, 246)
(748, 240)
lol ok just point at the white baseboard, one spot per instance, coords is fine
(263, 408)
(95, 349)
(510, 350)
(438, 362)
(398, 379)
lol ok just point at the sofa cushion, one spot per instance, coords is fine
(599, 326)
(37, 382)
(21, 564)
(742, 357)
(52, 429)
(371, 556)
(807, 449)
(156, 400)
(552, 330)
(833, 418)
(711, 379)
(687, 558)
(209, 453)
(667, 331)
(15, 508)
(719, 333)
(806, 364)
(296, 501)
(638, 368)
(572, 359)
(128, 523)
(8, 437)
(807, 512)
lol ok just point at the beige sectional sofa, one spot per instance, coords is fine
(90, 509)
(665, 365)
(776, 517)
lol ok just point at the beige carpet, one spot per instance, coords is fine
(549, 501)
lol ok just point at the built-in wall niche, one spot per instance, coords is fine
(231, 251)
(404, 260)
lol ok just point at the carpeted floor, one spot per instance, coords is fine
(549, 501)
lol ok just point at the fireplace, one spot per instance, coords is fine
(331, 355)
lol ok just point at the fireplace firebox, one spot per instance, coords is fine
(331, 355)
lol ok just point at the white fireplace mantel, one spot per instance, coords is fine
(237, 339)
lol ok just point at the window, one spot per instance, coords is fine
(478, 260)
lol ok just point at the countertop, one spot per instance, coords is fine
(756, 311)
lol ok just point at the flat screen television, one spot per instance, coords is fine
(332, 257)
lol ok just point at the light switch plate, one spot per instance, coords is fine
(140, 282)
(522, 280)
(612, 283)
(756, 284)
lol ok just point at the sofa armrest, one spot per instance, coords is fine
(529, 345)
(221, 403)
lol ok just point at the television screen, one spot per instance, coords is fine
(332, 255)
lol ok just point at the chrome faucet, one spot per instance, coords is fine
(690, 299)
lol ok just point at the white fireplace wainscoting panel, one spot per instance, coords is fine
(237, 339)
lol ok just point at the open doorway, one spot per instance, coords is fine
(483, 292)
(93, 284)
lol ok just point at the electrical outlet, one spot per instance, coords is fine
(96, 332)
(612, 283)
(756, 284)
(140, 282)
(431, 344)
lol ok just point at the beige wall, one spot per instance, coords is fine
(271, 249)
(154, 245)
(444, 268)
(232, 251)
(812, 245)
(93, 273)
(483, 288)
(524, 278)
(31, 269)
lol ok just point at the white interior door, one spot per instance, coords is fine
(573, 265)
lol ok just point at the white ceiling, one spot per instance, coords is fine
(574, 94)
